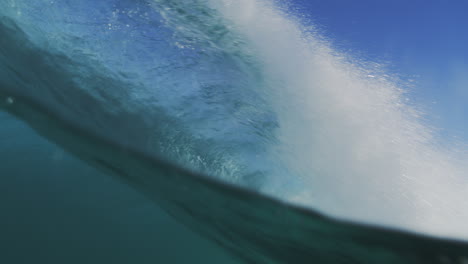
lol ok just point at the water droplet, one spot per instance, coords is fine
(10, 100)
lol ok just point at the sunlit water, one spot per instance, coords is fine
(244, 91)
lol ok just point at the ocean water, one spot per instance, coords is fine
(57, 209)
(235, 118)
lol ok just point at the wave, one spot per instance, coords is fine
(213, 107)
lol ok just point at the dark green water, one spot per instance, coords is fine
(56, 209)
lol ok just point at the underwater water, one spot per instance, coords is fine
(57, 209)
(239, 122)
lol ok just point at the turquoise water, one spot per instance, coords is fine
(232, 118)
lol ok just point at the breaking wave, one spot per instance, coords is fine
(238, 91)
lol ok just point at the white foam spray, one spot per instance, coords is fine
(360, 150)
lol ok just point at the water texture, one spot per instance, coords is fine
(235, 118)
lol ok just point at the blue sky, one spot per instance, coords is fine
(422, 40)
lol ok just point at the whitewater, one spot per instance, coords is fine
(347, 131)
(245, 92)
